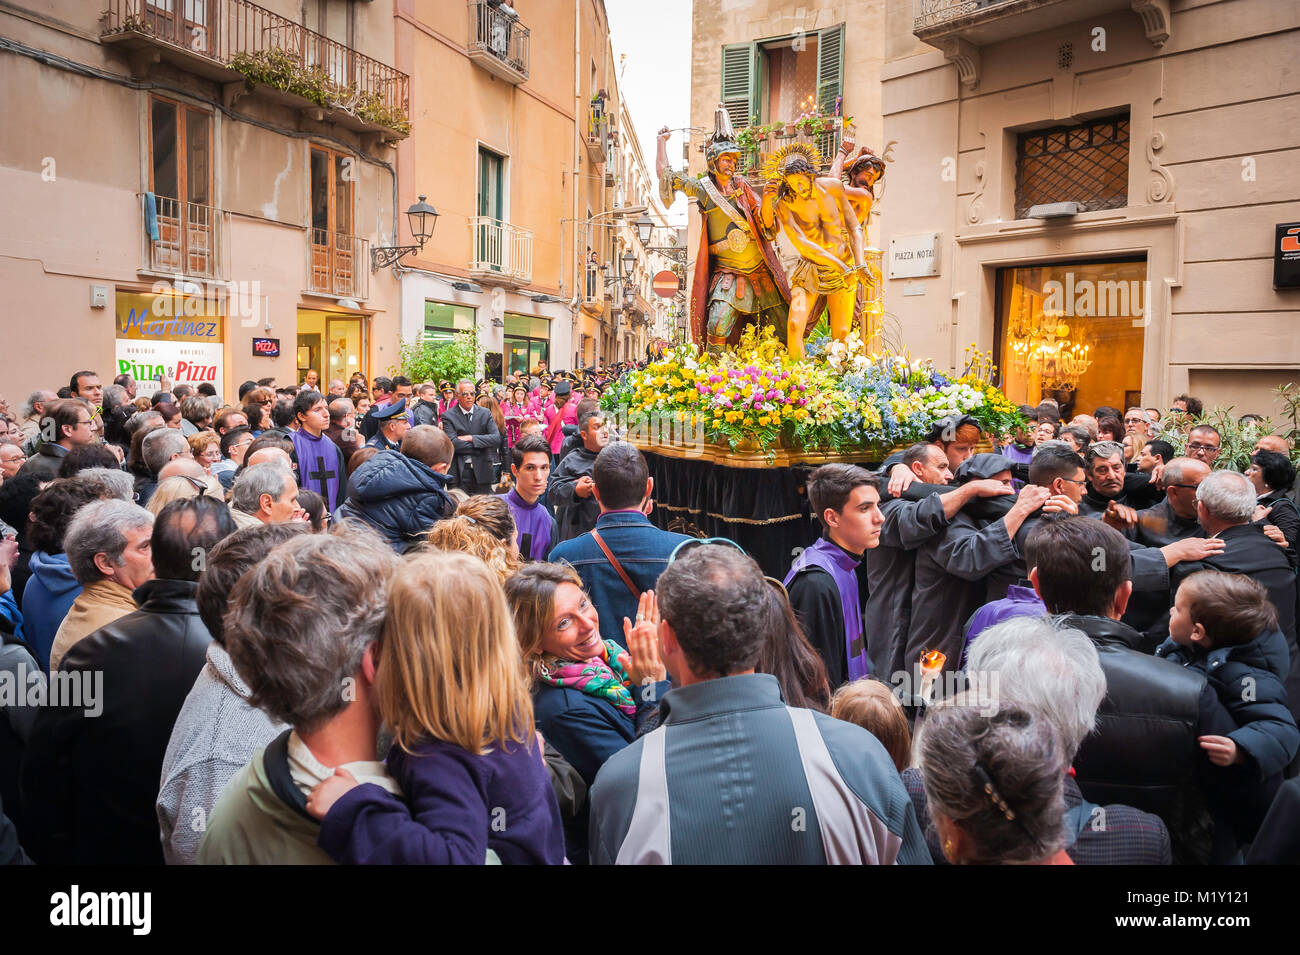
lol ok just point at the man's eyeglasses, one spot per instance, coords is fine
(1073, 481)
(1135, 420)
(1203, 447)
(688, 545)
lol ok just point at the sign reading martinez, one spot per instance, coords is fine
(169, 335)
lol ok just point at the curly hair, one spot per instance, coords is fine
(466, 535)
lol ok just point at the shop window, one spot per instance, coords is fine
(1073, 332)
(526, 343)
(1087, 164)
(442, 322)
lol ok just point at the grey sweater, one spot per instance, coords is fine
(216, 733)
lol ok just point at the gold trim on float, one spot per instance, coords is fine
(748, 457)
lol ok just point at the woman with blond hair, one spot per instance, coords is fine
(465, 535)
(590, 695)
(181, 488)
(453, 694)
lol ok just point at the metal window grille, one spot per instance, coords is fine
(1087, 164)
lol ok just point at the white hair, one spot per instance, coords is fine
(256, 480)
(1034, 663)
(1228, 496)
(101, 528)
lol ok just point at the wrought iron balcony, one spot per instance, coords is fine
(183, 238)
(597, 135)
(502, 253)
(498, 41)
(338, 264)
(235, 43)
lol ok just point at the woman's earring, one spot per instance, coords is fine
(947, 849)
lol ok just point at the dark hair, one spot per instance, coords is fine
(231, 437)
(16, 495)
(282, 411)
(620, 474)
(793, 166)
(1161, 448)
(222, 420)
(87, 456)
(228, 561)
(167, 410)
(400, 381)
(184, 531)
(712, 597)
(583, 420)
(303, 402)
(1051, 411)
(382, 384)
(1206, 427)
(1233, 609)
(530, 444)
(359, 457)
(53, 509)
(63, 411)
(245, 388)
(1055, 426)
(265, 382)
(314, 505)
(1277, 470)
(1081, 563)
(1107, 411)
(182, 391)
(254, 411)
(917, 452)
(584, 406)
(831, 486)
(123, 379)
(1194, 405)
(74, 386)
(206, 389)
(1111, 424)
(1053, 461)
(788, 656)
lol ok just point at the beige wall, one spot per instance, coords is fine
(1221, 90)
(80, 225)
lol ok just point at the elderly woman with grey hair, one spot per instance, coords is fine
(993, 780)
(108, 548)
(1035, 664)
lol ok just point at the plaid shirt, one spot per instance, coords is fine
(1096, 835)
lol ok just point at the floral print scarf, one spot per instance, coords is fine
(602, 676)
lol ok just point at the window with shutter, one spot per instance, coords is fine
(738, 75)
(830, 67)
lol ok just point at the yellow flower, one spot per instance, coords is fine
(764, 420)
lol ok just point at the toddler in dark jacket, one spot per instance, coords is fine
(1224, 626)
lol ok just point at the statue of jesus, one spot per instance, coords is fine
(817, 217)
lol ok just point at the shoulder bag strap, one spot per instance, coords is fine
(600, 542)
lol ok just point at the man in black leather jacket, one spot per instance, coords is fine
(1144, 752)
(91, 769)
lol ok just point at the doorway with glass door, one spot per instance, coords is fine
(333, 345)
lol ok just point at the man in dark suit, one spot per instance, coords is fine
(475, 436)
(1225, 504)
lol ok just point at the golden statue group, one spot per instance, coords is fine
(739, 278)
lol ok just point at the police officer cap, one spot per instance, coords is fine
(398, 407)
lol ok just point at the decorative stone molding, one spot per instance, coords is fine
(975, 208)
(1156, 19)
(965, 56)
(1160, 187)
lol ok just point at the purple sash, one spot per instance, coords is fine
(841, 566)
(320, 467)
(532, 526)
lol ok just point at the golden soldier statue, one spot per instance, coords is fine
(737, 271)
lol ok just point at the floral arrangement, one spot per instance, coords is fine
(840, 398)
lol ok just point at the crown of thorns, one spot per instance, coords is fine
(791, 155)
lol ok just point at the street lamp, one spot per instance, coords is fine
(629, 262)
(644, 228)
(423, 217)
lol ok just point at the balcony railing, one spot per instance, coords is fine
(183, 237)
(982, 22)
(827, 143)
(339, 264)
(597, 135)
(502, 252)
(225, 39)
(498, 41)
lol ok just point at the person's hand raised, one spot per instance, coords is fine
(1120, 516)
(987, 487)
(642, 658)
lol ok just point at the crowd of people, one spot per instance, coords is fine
(389, 622)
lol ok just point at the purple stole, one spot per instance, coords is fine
(532, 524)
(841, 566)
(320, 466)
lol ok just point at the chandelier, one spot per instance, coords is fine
(1043, 345)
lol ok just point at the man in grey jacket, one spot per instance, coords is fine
(752, 781)
(218, 730)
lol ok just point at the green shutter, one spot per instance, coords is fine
(830, 67)
(738, 77)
